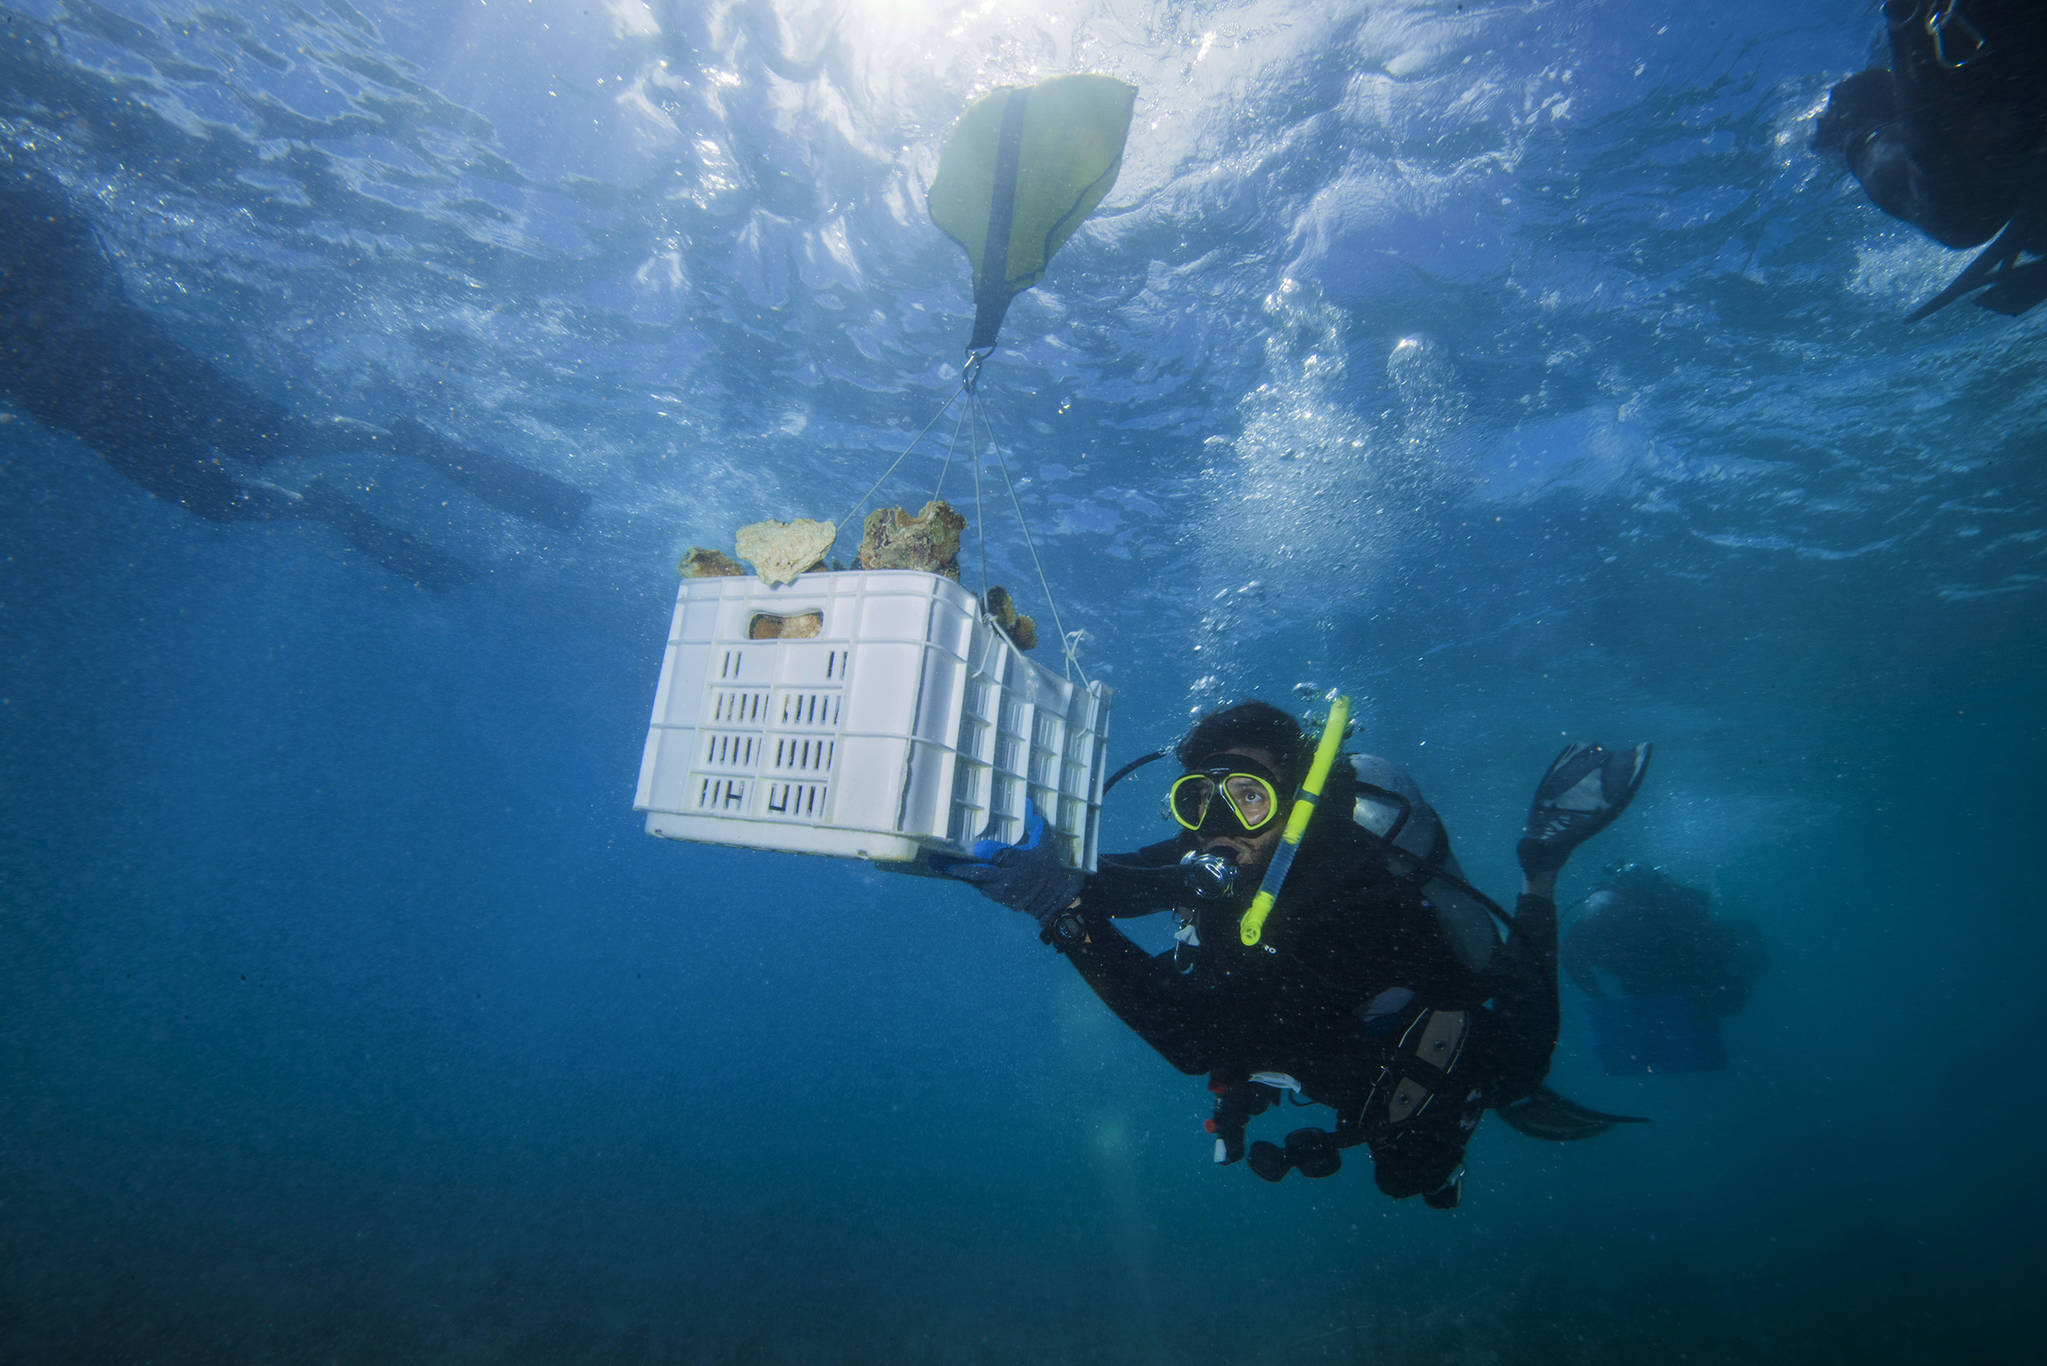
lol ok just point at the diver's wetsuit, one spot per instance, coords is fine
(1349, 960)
(1952, 137)
(80, 358)
(1652, 936)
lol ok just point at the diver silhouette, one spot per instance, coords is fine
(1659, 971)
(1952, 138)
(78, 356)
(1641, 932)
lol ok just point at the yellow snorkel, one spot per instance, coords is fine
(1253, 924)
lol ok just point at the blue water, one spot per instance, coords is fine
(1514, 366)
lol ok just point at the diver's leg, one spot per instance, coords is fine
(1585, 789)
(150, 389)
(504, 484)
(205, 490)
(401, 553)
(1521, 1029)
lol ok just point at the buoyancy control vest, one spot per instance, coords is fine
(1417, 850)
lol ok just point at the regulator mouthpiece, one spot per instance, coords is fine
(1211, 877)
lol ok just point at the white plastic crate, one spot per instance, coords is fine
(901, 728)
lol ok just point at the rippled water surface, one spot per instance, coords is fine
(1516, 367)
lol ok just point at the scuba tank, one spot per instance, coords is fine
(1417, 849)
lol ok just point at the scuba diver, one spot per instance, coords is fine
(1659, 971)
(79, 357)
(1952, 137)
(1647, 934)
(1327, 947)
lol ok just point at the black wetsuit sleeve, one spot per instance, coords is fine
(1180, 1014)
(1146, 992)
(1526, 1014)
(1143, 883)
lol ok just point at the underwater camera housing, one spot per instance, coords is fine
(876, 714)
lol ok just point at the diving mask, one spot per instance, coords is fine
(1249, 800)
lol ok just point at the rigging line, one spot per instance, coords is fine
(1066, 644)
(950, 400)
(950, 448)
(980, 514)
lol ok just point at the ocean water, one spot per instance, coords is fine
(1514, 366)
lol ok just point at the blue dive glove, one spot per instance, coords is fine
(1027, 876)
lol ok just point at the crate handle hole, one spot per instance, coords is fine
(799, 626)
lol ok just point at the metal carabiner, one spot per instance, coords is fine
(1943, 15)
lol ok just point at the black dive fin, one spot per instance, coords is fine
(2016, 289)
(1987, 266)
(1545, 1114)
(398, 551)
(505, 484)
